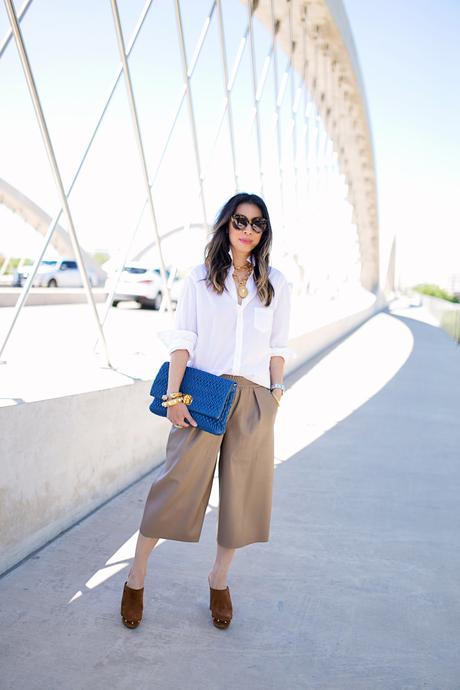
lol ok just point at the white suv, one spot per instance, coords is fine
(142, 284)
(58, 273)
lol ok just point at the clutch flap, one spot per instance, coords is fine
(209, 392)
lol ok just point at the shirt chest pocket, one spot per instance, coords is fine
(263, 319)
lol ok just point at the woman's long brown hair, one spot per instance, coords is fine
(218, 260)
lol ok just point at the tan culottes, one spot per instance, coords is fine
(176, 504)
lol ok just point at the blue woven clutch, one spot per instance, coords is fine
(212, 397)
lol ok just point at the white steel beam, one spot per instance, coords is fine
(139, 141)
(60, 188)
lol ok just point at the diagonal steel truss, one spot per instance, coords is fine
(312, 150)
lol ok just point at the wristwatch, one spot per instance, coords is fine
(278, 385)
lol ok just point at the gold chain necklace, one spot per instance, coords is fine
(242, 289)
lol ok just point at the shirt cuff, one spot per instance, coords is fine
(285, 352)
(177, 339)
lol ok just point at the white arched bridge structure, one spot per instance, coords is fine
(265, 96)
(136, 132)
(125, 125)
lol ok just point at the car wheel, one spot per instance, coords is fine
(52, 283)
(115, 302)
(157, 300)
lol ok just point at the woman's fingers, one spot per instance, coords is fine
(190, 418)
(179, 414)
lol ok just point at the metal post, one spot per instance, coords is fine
(261, 84)
(117, 273)
(9, 35)
(234, 74)
(58, 180)
(324, 155)
(197, 51)
(275, 28)
(196, 54)
(138, 135)
(228, 93)
(198, 47)
(305, 133)
(254, 91)
(293, 110)
(186, 77)
(57, 215)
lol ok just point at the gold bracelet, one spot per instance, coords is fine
(184, 397)
(168, 396)
(172, 401)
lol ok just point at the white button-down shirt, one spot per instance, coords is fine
(224, 337)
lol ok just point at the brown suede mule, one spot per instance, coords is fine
(132, 604)
(220, 604)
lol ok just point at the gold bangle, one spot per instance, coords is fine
(168, 396)
(186, 398)
(173, 401)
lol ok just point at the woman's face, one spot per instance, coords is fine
(245, 240)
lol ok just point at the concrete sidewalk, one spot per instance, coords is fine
(358, 588)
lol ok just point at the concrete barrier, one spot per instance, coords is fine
(447, 314)
(53, 295)
(66, 456)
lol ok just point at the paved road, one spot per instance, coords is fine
(358, 588)
(51, 350)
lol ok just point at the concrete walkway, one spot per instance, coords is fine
(358, 588)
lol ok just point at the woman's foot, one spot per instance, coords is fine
(135, 579)
(220, 603)
(132, 605)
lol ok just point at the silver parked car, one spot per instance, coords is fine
(54, 273)
(141, 283)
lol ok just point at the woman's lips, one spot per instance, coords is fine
(245, 241)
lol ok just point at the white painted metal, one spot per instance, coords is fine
(60, 188)
(139, 141)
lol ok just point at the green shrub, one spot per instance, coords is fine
(435, 291)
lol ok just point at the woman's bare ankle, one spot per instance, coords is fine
(218, 578)
(135, 579)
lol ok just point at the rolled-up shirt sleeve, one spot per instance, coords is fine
(184, 334)
(281, 321)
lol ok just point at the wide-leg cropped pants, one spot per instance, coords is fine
(176, 504)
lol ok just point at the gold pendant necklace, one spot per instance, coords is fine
(242, 289)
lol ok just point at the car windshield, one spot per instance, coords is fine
(134, 269)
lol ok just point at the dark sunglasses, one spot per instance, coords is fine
(239, 222)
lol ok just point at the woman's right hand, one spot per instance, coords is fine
(177, 414)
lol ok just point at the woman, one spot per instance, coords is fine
(232, 320)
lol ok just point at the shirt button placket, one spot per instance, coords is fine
(238, 340)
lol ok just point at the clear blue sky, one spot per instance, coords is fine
(410, 57)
